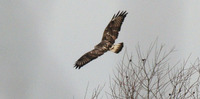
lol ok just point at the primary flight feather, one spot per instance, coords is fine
(107, 43)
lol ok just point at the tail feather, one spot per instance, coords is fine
(117, 48)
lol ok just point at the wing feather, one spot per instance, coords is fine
(112, 30)
(89, 56)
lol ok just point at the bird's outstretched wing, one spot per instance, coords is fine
(89, 56)
(111, 32)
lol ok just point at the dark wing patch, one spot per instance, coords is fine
(89, 56)
(112, 30)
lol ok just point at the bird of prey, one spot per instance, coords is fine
(107, 43)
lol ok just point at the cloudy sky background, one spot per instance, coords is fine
(40, 41)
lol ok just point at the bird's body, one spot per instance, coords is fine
(107, 43)
(104, 45)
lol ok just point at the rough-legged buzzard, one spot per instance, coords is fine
(107, 43)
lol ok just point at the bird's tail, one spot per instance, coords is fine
(117, 48)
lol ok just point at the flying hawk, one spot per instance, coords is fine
(107, 43)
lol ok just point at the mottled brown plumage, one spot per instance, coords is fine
(109, 36)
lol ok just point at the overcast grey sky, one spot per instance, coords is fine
(40, 40)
